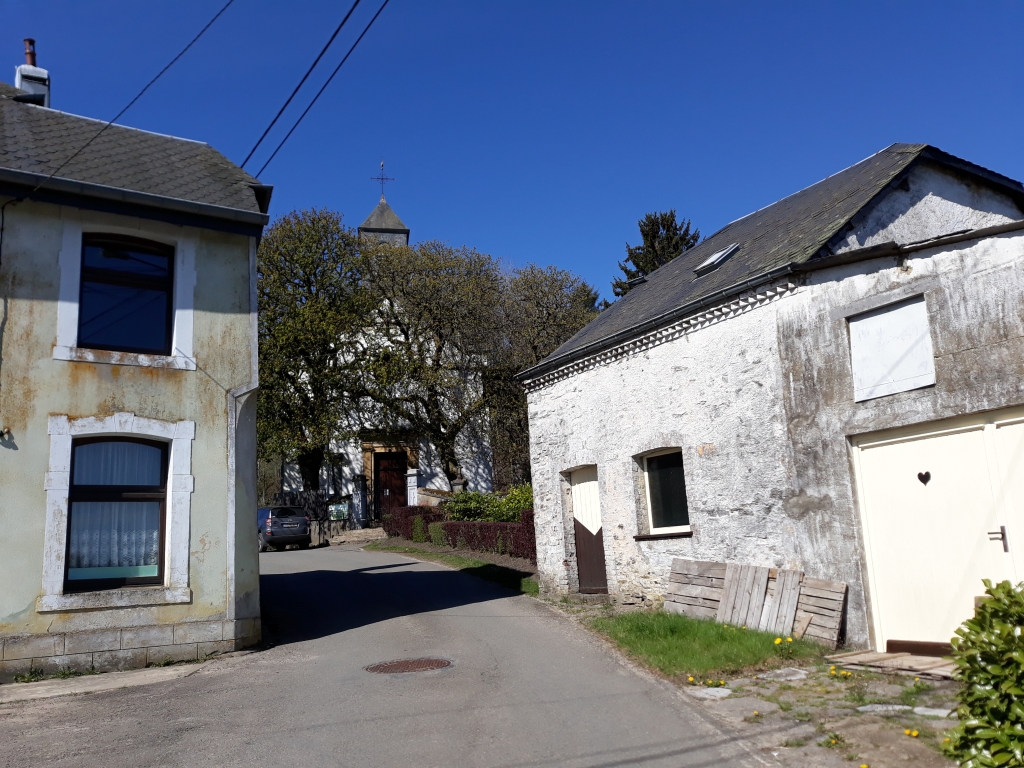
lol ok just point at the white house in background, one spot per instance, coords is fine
(833, 383)
(379, 475)
(128, 374)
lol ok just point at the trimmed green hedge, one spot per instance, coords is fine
(492, 507)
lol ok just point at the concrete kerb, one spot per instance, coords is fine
(108, 681)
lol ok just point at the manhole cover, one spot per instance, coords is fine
(408, 665)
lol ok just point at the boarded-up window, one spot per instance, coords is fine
(891, 350)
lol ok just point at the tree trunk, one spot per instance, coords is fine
(309, 467)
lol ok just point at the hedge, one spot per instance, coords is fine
(421, 523)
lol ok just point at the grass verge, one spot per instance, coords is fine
(678, 645)
(513, 579)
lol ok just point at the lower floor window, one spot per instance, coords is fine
(666, 492)
(116, 513)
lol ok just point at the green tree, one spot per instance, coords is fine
(663, 239)
(425, 349)
(541, 309)
(312, 304)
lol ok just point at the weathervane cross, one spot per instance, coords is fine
(382, 178)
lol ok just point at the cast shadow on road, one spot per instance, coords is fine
(313, 604)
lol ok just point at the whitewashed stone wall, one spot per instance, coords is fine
(761, 405)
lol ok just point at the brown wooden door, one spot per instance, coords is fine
(389, 481)
(586, 512)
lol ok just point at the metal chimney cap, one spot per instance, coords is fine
(30, 51)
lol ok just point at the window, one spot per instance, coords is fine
(715, 260)
(116, 513)
(126, 295)
(666, 492)
(891, 350)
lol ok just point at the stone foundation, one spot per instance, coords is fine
(111, 650)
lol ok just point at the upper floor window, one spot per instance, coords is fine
(116, 513)
(666, 492)
(126, 295)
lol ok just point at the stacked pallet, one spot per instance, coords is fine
(784, 602)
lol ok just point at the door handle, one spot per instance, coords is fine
(1000, 535)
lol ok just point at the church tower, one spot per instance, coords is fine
(383, 224)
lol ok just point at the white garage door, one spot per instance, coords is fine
(932, 504)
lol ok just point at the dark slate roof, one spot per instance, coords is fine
(788, 233)
(383, 219)
(37, 140)
(9, 91)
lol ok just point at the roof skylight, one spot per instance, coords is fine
(715, 260)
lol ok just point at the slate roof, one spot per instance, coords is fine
(792, 231)
(38, 140)
(383, 219)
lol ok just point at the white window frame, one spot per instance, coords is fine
(180, 484)
(185, 241)
(647, 492)
(914, 309)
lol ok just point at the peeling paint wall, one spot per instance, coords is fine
(34, 386)
(761, 405)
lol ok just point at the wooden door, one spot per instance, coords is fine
(928, 503)
(586, 512)
(389, 481)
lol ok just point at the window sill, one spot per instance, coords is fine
(79, 354)
(656, 536)
(113, 598)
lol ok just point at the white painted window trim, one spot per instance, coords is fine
(647, 491)
(180, 482)
(185, 241)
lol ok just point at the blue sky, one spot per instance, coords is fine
(541, 131)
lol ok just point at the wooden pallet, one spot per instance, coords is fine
(783, 602)
(928, 667)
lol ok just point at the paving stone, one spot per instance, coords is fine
(788, 673)
(708, 693)
(931, 712)
(884, 709)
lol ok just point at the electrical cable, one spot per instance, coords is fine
(297, 87)
(322, 89)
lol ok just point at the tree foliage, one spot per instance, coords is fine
(663, 239)
(312, 303)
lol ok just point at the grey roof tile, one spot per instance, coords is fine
(383, 217)
(38, 140)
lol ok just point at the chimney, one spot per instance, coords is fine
(31, 79)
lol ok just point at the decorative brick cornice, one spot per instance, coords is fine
(695, 322)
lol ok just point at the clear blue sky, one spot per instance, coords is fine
(541, 131)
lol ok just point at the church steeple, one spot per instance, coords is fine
(383, 223)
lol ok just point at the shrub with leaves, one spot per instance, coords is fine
(989, 656)
(436, 533)
(419, 533)
(492, 507)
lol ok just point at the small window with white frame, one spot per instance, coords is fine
(665, 484)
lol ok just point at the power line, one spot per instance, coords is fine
(137, 97)
(297, 87)
(322, 89)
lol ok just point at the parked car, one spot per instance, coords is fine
(277, 527)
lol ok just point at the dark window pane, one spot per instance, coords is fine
(121, 317)
(118, 463)
(668, 490)
(114, 539)
(288, 512)
(123, 257)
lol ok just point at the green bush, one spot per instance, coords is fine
(436, 533)
(989, 656)
(474, 505)
(419, 533)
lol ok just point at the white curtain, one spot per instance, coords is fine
(115, 534)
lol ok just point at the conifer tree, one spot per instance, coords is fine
(663, 239)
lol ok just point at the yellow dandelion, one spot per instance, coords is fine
(863, 765)
(755, 711)
(778, 640)
(721, 682)
(690, 678)
(789, 639)
(914, 734)
(916, 679)
(906, 731)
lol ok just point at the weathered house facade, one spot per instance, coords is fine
(831, 384)
(128, 375)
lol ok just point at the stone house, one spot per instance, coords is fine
(128, 375)
(832, 384)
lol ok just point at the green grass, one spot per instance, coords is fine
(510, 578)
(679, 645)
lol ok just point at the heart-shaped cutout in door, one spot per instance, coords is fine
(924, 477)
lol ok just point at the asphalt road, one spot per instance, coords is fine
(527, 688)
